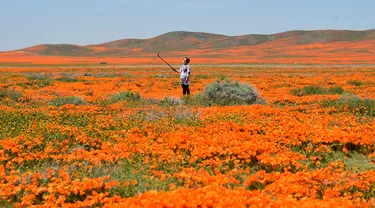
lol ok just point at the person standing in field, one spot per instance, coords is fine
(185, 76)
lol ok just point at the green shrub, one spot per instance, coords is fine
(316, 90)
(230, 92)
(4, 80)
(60, 101)
(338, 90)
(197, 100)
(170, 101)
(123, 96)
(309, 90)
(9, 93)
(68, 79)
(221, 76)
(40, 80)
(356, 83)
(352, 103)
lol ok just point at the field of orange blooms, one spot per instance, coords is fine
(66, 140)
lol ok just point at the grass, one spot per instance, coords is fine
(68, 79)
(125, 171)
(37, 80)
(316, 90)
(60, 101)
(356, 82)
(351, 103)
(10, 94)
(123, 96)
(353, 161)
(170, 101)
(13, 124)
(5, 204)
(201, 76)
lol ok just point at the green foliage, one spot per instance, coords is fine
(13, 124)
(39, 80)
(201, 76)
(308, 90)
(170, 101)
(60, 101)
(4, 80)
(68, 79)
(123, 96)
(338, 90)
(357, 162)
(351, 103)
(316, 90)
(197, 100)
(230, 92)
(356, 83)
(5, 204)
(134, 170)
(9, 93)
(222, 76)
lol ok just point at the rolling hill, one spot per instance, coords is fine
(298, 46)
(184, 41)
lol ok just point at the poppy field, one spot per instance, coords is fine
(126, 137)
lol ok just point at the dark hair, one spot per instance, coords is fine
(187, 60)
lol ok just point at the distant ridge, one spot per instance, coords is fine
(180, 41)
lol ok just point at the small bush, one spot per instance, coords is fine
(123, 96)
(316, 90)
(197, 100)
(349, 98)
(230, 93)
(222, 76)
(356, 83)
(4, 80)
(68, 79)
(338, 90)
(182, 114)
(352, 103)
(309, 90)
(60, 101)
(40, 80)
(9, 93)
(170, 101)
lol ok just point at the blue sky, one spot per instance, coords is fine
(25, 23)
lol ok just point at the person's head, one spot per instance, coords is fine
(186, 61)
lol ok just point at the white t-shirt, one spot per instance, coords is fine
(184, 74)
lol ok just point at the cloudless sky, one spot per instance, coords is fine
(24, 23)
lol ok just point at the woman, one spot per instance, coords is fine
(185, 76)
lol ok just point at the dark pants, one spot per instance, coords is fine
(185, 89)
